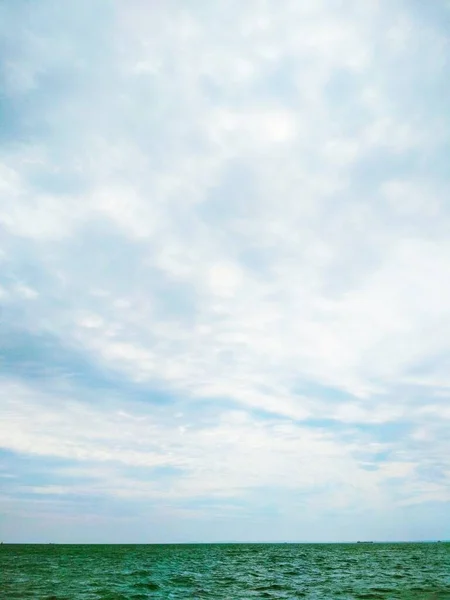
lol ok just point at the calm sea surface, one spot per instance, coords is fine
(316, 571)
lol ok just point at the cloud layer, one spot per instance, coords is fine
(223, 270)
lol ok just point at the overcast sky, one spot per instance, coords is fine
(224, 270)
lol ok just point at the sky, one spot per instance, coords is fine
(224, 270)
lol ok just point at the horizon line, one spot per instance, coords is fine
(428, 541)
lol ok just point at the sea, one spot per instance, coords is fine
(229, 571)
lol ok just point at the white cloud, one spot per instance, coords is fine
(234, 203)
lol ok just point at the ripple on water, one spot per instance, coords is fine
(146, 585)
(183, 580)
(220, 572)
(271, 588)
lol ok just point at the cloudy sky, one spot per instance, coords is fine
(224, 270)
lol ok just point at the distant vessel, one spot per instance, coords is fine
(365, 542)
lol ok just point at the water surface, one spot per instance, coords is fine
(231, 571)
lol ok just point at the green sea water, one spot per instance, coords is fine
(228, 571)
